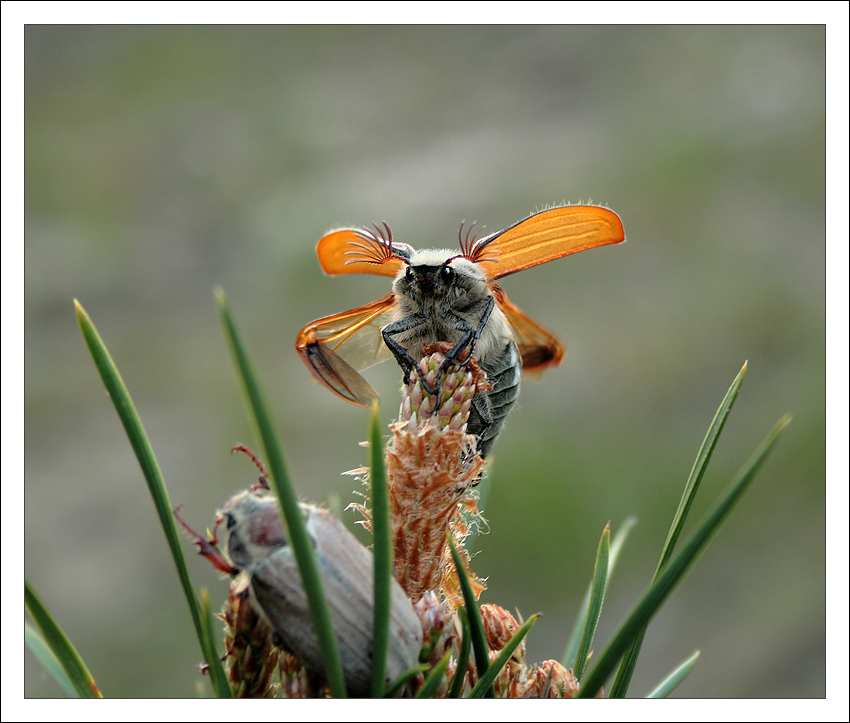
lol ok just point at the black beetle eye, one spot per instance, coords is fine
(447, 273)
(409, 275)
(231, 520)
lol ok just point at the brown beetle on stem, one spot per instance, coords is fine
(442, 296)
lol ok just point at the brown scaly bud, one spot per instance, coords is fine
(437, 639)
(251, 655)
(296, 681)
(499, 627)
(552, 680)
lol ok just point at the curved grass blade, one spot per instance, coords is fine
(35, 641)
(485, 682)
(700, 464)
(544, 694)
(394, 688)
(66, 654)
(623, 678)
(288, 502)
(671, 682)
(678, 565)
(383, 551)
(435, 677)
(207, 622)
(571, 652)
(597, 595)
(153, 476)
(476, 626)
(456, 688)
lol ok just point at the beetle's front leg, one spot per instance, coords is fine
(491, 302)
(402, 356)
(470, 338)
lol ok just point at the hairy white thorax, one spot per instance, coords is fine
(475, 288)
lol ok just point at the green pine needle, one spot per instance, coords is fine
(486, 681)
(678, 566)
(597, 595)
(571, 652)
(435, 677)
(156, 485)
(476, 626)
(671, 682)
(456, 687)
(72, 668)
(621, 682)
(383, 551)
(290, 512)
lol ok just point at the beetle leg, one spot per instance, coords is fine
(469, 338)
(402, 356)
(491, 302)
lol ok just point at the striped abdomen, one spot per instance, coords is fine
(504, 372)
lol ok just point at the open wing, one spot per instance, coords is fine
(353, 251)
(337, 347)
(546, 236)
(537, 347)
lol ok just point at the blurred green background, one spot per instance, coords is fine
(164, 161)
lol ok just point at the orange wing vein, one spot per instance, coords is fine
(546, 236)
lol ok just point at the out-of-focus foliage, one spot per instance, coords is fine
(162, 161)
